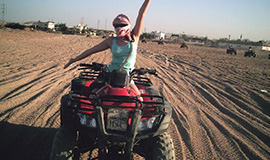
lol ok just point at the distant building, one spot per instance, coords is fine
(195, 41)
(31, 24)
(49, 25)
(46, 25)
(265, 48)
(175, 37)
(82, 27)
(158, 34)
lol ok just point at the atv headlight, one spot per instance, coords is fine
(146, 124)
(87, 120)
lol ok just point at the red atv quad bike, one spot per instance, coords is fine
(112, 119)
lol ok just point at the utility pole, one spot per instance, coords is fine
(82, 21)
(98, 24)
(106, 24)
(4, 9)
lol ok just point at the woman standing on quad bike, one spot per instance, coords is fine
(126, 41)
(123, 47)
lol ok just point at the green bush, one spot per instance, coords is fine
(61, 27)
(15, 26)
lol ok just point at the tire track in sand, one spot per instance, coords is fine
(205, 144)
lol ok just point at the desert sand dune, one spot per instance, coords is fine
(221, 103)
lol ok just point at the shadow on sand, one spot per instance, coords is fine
(25, 142)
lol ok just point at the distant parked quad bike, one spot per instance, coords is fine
(161, 42)
(250, 54)
(231, 51)
(144, 41)
(113, 120)
(184, 46)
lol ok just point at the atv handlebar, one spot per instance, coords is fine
(99, 66)
(142, 71)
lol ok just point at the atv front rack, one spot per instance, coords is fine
(144, 81)
(128, 100)
(92, 71)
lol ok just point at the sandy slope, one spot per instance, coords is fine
(219, 109)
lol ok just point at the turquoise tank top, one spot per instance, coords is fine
(119, 55)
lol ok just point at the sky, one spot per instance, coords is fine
(206, 18)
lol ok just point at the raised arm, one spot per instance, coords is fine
(99, 47)
(139, 22)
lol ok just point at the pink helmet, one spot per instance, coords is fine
(121, 19)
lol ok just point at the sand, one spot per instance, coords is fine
(221, 103)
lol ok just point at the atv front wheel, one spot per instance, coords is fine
(160, 148)
(67, 117)
(63, 144)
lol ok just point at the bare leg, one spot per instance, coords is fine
(135, 88)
